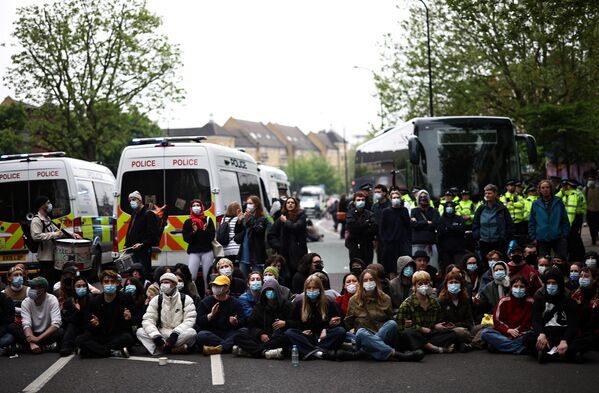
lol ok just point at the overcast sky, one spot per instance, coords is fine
(289, 62)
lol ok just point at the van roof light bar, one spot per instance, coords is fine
(165, 140)
(27, 156)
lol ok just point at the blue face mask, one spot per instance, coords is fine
(574, 276)
(492, 264)
(471, 267)
(313, 294)
(32, 294)
(130, 289)
(110, 289)
(584, 282)
(449, 210)
(133, 205)
(519, 292)
(499, 275)
(396, 202)
(255, 286)
(81, 292)
(360, 204)
(49, 208)
(17, 281)
(408, 271)
(271, 295)
(551, 289)
(454, 288)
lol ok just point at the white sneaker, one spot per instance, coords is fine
(237, 351)
(274, 354)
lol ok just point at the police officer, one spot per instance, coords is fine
(515, 206)
(531, 196)
(575, 207)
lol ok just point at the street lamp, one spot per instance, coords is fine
(380, 100)
(430, 72)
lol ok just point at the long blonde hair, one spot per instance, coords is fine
(323, 304)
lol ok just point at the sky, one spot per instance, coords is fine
(287, 62)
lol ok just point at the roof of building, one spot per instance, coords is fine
(255, 131)
(324, 139)
(213, 129)
(294, 136)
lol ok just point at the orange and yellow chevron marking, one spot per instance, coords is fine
(15, 241)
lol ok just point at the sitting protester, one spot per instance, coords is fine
(421, 259)
(16, 290)
(496, 289)
(383, 280)
(456, 311)
(401, 286)
(251, 296)
(220, 318)
(518, 267)
(587, 298)
(190, 286)
(350, 286)
(134, 287)
(271, 272)
(266, 336)
(137, 271)
(225, 267)
(512, 320)
(278, 261)
(75, 314)
(309, 264)
(109, 324)
(492, 258)
(167, 325)
(7, 325)
(154, 288)
(572, 282)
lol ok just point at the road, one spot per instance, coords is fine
(473, 372)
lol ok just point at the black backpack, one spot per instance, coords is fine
(222, 234)
(31, 244)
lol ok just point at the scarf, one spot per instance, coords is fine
(197, 219)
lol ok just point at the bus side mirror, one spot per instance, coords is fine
(416, 153)
(531, 147)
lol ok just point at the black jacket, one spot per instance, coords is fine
(395, 226)
(264, 314)
(143, 228)
(460, 315)
(78, 317)
(567, 315)
(201, 240)
(422, 231)
(289, 239)
(111, 316)
(361, 226)
(220, 321)
(315, 322)
(7, 313)
(256, 228)
(451, 233)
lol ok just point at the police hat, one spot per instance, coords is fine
(465, 192)
(448, 193)
(510, 182)
(366, 187)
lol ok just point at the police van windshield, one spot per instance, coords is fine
(174, 187)
(16, 198)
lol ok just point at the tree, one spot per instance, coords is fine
(313, 170)
(92, 66)
(12, 126)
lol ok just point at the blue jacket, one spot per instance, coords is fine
(505, 225)
(548, 224)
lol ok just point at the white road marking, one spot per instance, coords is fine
(47, 375)
(155, 360)
(218, 372)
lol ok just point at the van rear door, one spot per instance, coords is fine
(14, 206)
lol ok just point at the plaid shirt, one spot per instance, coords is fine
(410, 309)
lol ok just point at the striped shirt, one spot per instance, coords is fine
(232, 248)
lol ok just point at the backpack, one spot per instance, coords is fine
(159, 321)
(222, 234)
(31, 244)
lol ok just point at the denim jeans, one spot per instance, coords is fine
(6, 340)
(501, 342)
(379, 345)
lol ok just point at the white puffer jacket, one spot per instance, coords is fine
(174, 317)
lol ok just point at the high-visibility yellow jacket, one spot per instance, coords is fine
(466, 208)
(515, 205)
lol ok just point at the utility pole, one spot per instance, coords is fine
(345, 161)
(430, 72)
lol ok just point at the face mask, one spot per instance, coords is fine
(499, 275)
(271, 295)
(180, 286)
(531, 259)
(408, 271)
(369, 286)
(423, 289)
(551, 289)
(584, 282)
(225, 271)
(492, 264)
(377, 196)
(32, 294)
(360, 204)
(449, 210)
(130, 289)
(249, 207)
(196, 209)
(255, 286)
(574, 276)
(318, 268)
(110, 289)
(395, 202)
(423, 200)
(268, 278)
(49, 208)
(471, 267)
(166, 289)
(542, 269)
(519, 292)
(454, 288)
(133, 205)
(351, 288)
(313, 294)
(216, 290)
(356, 271)
(516, 258)
(81, 292)
(17, 282)
(591, 262)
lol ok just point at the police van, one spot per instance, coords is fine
(82, 197)
(273, 179)
(173, 171)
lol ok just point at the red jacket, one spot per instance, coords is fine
(528, 272)
(512, 313)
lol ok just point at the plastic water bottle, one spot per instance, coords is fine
(295, 356)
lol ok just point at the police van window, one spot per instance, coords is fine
(148, 183)
(184, 185)
(56, 190)
(229, 188)
(104, 198)
(13, 201)
(248, 185)
(86, 198)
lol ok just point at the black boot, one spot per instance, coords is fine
(343, 355)
(409, 356)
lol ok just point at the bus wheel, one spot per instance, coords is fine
(94, 273)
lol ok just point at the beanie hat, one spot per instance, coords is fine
(169, 276)
(39, 202)
(135, 194)
(273, 270)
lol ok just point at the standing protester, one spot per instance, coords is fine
(492, 226)
(278, 204)
(198, 233)
(251, 234)
(380, 203)
(44, 231)
(232, 218)
(575, 208)
(548, 224)
(342, 208)
(288, 234)
(424, 221)
(362, 229)
(395, 234)
(591, 192)
(142, 232)
(451, 237)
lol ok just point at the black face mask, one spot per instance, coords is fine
(516, 259)
(356, 271)
(531, 259)
(318, 268)
(68, 282)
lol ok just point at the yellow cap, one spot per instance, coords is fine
(221, 280)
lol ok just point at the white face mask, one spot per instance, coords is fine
(166, 288)
(591, 262)
(351, 288)
(250, 207)
(542, 269)
(268, 278)
(369, 286)
(225, 271)
(216, 290)
(180, 286)
(196, 209)
(423, 289)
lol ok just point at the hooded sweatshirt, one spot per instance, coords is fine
(399, 290)
(265, 313)
(422, 231)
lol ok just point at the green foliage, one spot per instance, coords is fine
(536, 62)
(95, 68)
(314, 170)
(12, 127)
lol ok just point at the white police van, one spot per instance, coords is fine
(273, 178)
(173, 171)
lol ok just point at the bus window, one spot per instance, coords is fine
(248, 185)
(184, 185)
(56, 190)
(86, 198)
(104, 198)
(13, 201)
